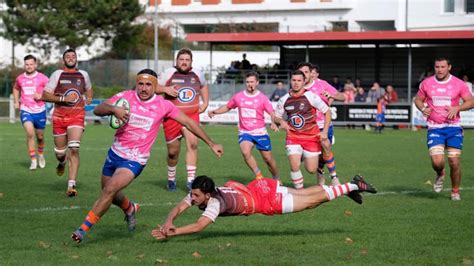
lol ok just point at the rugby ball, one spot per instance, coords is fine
(114, 122)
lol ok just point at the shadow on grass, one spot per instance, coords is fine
(118, 234)
(254, 233)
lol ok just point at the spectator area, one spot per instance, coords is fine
(387, 57)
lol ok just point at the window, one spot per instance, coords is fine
(448, 6)
(470, 6)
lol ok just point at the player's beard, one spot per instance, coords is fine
(70, 66)
(186, 71)
(443, 78)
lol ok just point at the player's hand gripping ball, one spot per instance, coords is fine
(114, 121)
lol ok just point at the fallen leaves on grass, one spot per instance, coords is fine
(364, 251)
(222, 247)
(44, 244)
(75, 257)
(160, 261)
(428, 183)
(110, 255)
(467, 261)
(349, 240)
(1, 194)
(347, 213)
(197, 254)
(140, 256)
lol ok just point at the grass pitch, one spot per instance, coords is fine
(405, 223)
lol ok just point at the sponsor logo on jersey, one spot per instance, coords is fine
(73, 92)
(139, 121)
(78, 82)
(177, 81)
(441, 90)
(186, 94)
(301, 106)
(289, 108)
(193, 80)
(65, 81)
(297, 121)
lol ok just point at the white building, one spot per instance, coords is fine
(292, 16)
(319, 15)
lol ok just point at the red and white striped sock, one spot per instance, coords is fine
(297, 179)
(172, 173)
(337, 191)
(191, 170)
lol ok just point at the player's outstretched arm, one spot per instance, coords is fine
(338, 97)
(196, 227)
(221, 110)
(200, 133)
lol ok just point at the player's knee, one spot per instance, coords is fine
(30, 135)
(246, 155)
(193, 146)
(173, 155)
(437, 150)
(109, 190)
(60, 152)
(311, 170)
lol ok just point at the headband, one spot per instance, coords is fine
(149, 77)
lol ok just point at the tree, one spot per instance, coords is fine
(141, 46)
(52, 24)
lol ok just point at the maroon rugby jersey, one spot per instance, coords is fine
(189, 88)
(301, 114)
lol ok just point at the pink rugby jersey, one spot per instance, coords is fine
(318, 87)
(134, 140)
(251, 110)
(28, 85)
(440, 95)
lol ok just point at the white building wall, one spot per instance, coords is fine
(430, 15)
(311, 16)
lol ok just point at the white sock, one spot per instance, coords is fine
(191, 170)
(172, 173)
(297, 179)
(337, 191)
(71, 183)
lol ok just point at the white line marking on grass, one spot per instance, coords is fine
(74, 207)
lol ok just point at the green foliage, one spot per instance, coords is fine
(139, 43)
(51, 24)
(404, 224)
(107, 92)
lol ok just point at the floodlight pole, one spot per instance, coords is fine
(155, 19)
